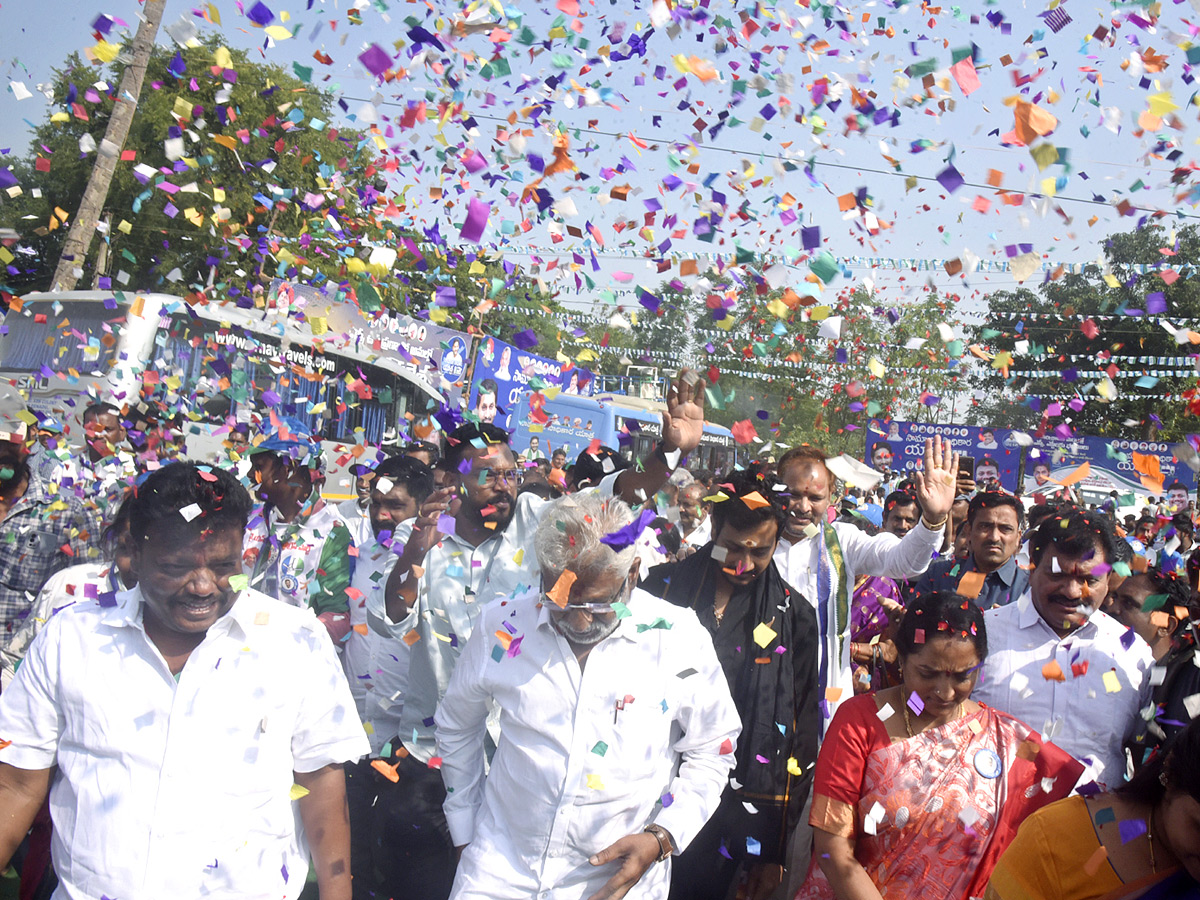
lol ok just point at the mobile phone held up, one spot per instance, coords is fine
(966, 467)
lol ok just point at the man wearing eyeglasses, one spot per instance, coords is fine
(617, 725)
(473, 541)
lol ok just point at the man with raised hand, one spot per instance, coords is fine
(822, 559)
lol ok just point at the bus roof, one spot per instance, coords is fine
(277, 328)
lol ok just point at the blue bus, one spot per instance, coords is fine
(631, 425)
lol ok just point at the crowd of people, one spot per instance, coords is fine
(493, 676)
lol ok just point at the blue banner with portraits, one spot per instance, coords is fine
(1111, 466)
(899, 447)
(504, 373)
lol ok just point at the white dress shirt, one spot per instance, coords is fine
(699, 536)
(1082, 713)
(644, 733)
(376, 665)
(884, 555)
(64, 588)
(458, 580)
(179, 789)
(358, 520)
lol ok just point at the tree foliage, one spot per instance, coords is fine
(231, 171)
(232, 175)
(1091, 350)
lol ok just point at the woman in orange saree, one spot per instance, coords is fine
(918, 788)
(1139, 842)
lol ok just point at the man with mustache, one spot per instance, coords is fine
(42, 528)
(995, 521)
(1057, 661)
(471, 542)
(171, 723)
(823, 560)
(617, 727)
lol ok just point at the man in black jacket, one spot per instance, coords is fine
(765, 634)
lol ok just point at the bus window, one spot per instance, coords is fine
(29, 345)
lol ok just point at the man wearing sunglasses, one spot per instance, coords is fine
(471, 542)
(617, 728)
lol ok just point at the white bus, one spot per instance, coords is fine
(351, 379)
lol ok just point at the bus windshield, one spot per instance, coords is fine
(60, 336)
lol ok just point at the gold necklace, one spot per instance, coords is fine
(719, 614)
(957, 714)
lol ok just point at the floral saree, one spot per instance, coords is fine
(931, 814)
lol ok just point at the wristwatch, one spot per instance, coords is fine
(666, 843)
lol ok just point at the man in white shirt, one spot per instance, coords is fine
(297, 548)
(190, 733)
(1057, 662)
(377, 665)
(822, 560)
(695, 529)
(617, 726)
(355, 512)
(471, 542)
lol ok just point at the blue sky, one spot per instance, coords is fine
(1077, 78)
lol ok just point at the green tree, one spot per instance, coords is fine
(891, 362)
(224, 159)
(1090, 349)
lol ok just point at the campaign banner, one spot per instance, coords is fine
(504, 373)
(1111, 467)
(899, 447)
(567, 422)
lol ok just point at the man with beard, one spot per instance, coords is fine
(733, 585)
(473, 541)
(695, 525)
(42, 529)
(617, 726)
(377, 667)
(1059, 663)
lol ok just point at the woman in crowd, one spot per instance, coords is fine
(1140, 841)
(919, 788)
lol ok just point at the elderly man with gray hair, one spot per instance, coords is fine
(617, 726)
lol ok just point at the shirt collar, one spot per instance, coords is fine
(1008, 571)
(126, 609)
(37, 491)
(1029, 617)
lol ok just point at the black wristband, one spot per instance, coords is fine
(670, 460)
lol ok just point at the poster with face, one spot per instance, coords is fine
(899, 447)
(1112, 465)
(504, 374)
